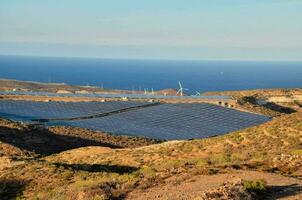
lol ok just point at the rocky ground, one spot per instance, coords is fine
(231, 185)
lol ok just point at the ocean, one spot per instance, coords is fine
(157, 74)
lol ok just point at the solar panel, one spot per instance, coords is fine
(31, 110)
(173, 121)
(136, 96)
(164, 121)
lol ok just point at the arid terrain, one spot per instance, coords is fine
(15, 85)
(262, 162)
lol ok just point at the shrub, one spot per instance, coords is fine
(297, 152)
(220, 159)
(257, 186)
(147, 171)
(259, 156)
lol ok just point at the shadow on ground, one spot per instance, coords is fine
(284, 191)
(11, 189)
(45, 142)
(279, 108)
(120, 169)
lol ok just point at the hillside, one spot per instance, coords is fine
(279, 138)
(15, 85)
(104, 172)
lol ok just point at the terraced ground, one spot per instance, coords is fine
(68, 163)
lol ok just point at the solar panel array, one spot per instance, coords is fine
(164, 121)
(173, 121)
(135, 96)
(31, 110)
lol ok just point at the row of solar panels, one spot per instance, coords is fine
(173, 121)
(135, 96)
(31, 110)
(164, 121)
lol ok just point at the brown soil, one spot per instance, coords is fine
(178, 188)
(260, 92)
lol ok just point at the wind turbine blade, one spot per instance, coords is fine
(180, 86)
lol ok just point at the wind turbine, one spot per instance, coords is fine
(181, 89)
(197, 94)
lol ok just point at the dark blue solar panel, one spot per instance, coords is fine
(173, 121)
(164, 121)
(29, 110)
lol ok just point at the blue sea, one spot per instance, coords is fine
(157, 74)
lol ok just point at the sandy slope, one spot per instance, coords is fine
(179, 189)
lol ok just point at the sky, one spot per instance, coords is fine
(157, 29)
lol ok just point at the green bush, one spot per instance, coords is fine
(257, 186)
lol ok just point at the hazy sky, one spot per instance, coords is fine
(160, 29)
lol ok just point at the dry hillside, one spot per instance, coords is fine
(104, 172)
(260, 92)
(12, 85)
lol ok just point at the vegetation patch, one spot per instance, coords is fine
(257, 186)
(297, 152)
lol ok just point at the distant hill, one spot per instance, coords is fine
(16, 85)
(260, 92)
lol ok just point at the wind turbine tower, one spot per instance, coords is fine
(181, 89)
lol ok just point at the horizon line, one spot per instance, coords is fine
(147, 59)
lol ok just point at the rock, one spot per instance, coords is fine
(229, 191)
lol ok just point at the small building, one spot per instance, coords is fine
(124, 98)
